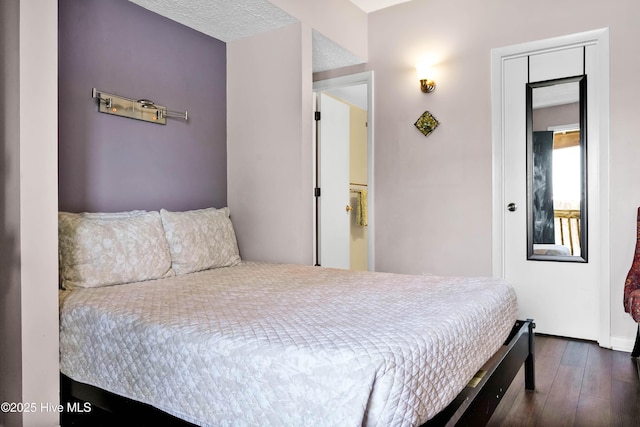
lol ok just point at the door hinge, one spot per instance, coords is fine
(316, 192)
(316, 115)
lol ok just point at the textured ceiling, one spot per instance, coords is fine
(230, 20)
(328, 55)
(222, 19)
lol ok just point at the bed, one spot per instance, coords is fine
(158, 308)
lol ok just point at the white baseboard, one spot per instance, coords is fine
(622, 344)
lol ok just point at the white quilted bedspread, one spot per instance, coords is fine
(287, 345)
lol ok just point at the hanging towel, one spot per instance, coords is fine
(361, 217)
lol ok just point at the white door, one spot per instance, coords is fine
(562, 297)
(333, 180)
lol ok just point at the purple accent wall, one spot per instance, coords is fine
(109, 163)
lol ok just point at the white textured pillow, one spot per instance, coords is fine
(111, 215)
(110, 249)
(200, 239)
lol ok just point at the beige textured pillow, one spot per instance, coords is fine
(110, 249)
(200, 239)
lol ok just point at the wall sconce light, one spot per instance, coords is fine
(427, 85)
(139, 109)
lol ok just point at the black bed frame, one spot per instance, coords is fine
(472, 407)
(476, 403)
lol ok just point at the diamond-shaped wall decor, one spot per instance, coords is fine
(427, 123)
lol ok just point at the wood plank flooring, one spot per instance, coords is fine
(577, 384)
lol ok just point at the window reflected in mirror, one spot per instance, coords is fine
(556, 170)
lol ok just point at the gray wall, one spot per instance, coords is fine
(110, 163)
(10, 342)
(560, 115)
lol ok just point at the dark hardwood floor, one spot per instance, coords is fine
(577, 384)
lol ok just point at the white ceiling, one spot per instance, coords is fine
(356, 95)
(373, 5)
(222, 19)
(328, 55)
(554, 95)
(230, 20)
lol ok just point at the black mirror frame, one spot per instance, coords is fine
(582, 80)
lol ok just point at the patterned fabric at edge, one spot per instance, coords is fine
(632, 283)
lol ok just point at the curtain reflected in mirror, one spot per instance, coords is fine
(556, 170)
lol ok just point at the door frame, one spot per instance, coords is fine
(600, 255)
(338, 82)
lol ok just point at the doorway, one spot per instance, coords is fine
(569, 299)
(343, 173)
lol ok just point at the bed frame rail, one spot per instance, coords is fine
(477, 402)
(109, 409)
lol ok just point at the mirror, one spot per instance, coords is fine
(557, 169)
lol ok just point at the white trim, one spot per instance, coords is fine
(36, 263)
(599, 38)
(621, 344)
(351, 80)
(565, 128)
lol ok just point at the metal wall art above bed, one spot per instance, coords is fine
(139, 109)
